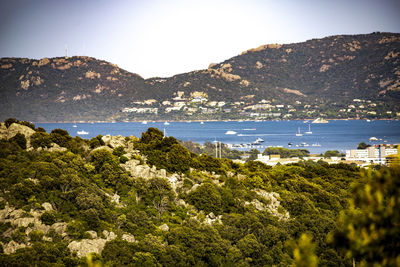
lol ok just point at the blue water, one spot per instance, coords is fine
(335, 135)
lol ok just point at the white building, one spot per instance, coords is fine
(371, 154)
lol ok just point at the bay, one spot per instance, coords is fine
(335, 135)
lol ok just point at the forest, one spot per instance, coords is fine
(186, 209)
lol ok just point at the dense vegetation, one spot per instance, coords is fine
(220, 214)
(325, 74)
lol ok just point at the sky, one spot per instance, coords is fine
(161, 38)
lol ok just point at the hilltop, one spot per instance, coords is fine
(344, 76)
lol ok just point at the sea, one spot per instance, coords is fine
(338, 135)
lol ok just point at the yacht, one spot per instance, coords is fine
(299, 133)
(258, 141)
(82, 132)
(309, 129)
(230, 132)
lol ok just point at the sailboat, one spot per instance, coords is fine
(309, 129)
(299, 133)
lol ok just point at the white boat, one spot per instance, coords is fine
(319, 120)
(230, 132)
(202, 122)
(299, 133)
(309, 129)
(82, 132)
(373, 138)
(258, 141)
(74, 126)
(166, 123)
(316, 144)
(144, 122)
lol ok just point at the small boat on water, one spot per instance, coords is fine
(319, 120)
(82, 132)
(230, 132)
(74, 126)
(202, 122)
(309, 129)
(290, 144)
(316, 144)
(373, 138)
(144, 122)
(166, 123)
(299, 133)
(303, 144)
(258, 141)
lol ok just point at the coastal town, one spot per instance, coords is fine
(198, 106)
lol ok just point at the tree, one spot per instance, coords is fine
(362, 145)
(20, 140)
(369, 229)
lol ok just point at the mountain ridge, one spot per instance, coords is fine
(328, 73)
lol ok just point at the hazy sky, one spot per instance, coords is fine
(167, 37)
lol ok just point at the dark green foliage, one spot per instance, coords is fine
(41, 139)
(10, 121)
(48, 218)
(40, 254)
(333, 153)
(363, 145)
(60, 137)
(80, 185)
(286, 153)
(96, 142)
(206, 197)
(20, 140)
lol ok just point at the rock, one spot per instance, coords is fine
(92, 233)
(47, 206)
(59, 227)
(86, 246)
(128, 237)
(55, 148)
(114, 141)
(15, 128)
(109, 235)
(103, 147)
(164, 227)
(181, 202)
(12, 247)
(115, 198)
(212, 216)
(173, 180)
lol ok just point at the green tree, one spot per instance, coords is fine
(20, 140)
(369, 229)
(362, 145)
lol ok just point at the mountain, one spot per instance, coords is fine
(300, 80)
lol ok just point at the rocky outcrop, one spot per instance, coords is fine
(87, 246)
(273, 206)
(128, 237)
(30, 220)
(143, 170)
(13, 129)
(164, 227)
(211, 218)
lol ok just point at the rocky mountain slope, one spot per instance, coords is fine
(328, 72)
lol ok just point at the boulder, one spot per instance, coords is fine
(47, 206)
(12, 247)
(59, 227)
(128, 237)
(164, 227)
(114, 141)
(87, 246)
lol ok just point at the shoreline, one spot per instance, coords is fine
(230, 120)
